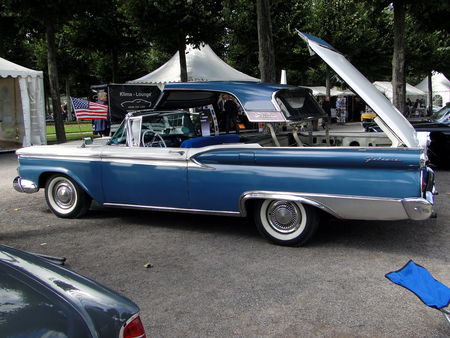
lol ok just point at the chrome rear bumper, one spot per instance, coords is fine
(419, 208)
(22, 185)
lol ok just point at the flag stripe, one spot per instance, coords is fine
(86, 110)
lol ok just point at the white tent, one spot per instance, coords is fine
(440, 87)
(202, 65)
(22, 112)
(322, 91)
(411, 92)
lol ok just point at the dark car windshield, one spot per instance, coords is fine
(442, 114)
(298, 104)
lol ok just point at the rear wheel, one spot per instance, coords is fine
(286, 222)
(65, 197)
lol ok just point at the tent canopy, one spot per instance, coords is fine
(386, 88)
(440, 86)
(322, 91)
(22, 111)
(202, 65)
(8, 68)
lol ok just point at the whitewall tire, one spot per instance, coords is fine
(65, 197)
(286, 222)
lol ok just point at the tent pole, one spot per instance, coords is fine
(430, 94)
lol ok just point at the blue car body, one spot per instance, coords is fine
(158, 160)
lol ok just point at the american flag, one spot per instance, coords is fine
(86, 110)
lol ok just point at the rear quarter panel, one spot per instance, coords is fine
(224, 175)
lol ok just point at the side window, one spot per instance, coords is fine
(135, 126)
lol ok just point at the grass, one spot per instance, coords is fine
(71, 128)
(69, 137)
(74, 131)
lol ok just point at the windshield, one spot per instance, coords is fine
(167, 123)
(298, 105)
(442, 115)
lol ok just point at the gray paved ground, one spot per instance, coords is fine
(215, 276)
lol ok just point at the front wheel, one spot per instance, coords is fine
(286, 222)
(65, 197)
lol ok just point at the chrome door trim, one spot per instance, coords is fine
(172, 209)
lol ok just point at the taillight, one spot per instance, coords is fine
(423, 182)
(133, 328)
(427, 181)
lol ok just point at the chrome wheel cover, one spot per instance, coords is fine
(283, 220)
(62, 195)
(284, 216)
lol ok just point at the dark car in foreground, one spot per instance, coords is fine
(438, 125)
(41, 299)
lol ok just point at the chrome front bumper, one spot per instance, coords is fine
(22, 185)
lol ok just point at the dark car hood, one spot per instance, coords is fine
(94, 302)
(430, 126)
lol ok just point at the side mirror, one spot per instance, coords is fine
(87, 141)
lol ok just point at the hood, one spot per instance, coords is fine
(395, 125)
(431, 126)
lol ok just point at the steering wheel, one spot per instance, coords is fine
(161, 143)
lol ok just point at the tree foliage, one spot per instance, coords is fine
(172, 23)
(115, 41)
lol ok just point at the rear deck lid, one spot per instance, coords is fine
(397, 124)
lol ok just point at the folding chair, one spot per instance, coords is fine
(418, 280)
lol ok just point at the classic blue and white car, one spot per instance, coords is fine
(287, 177)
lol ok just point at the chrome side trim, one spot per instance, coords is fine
(171, 209)
(352, 207)
(87, 158)
(193, 163)
(276, 195)
(150, 162)
(26, 186)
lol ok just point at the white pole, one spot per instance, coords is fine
(283, 77)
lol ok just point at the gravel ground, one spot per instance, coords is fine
(215, 276)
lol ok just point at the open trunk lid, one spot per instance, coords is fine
(395, 125)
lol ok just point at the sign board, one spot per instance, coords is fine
(125, 98)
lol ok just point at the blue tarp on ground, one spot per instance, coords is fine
(418, 280)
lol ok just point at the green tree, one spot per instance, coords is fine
(43, 19)
(14, 42)
(240, 38)
(422, 17)
(171, 24)
(104, 36)
(398, 56)
(265, 41)
(359, 31)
